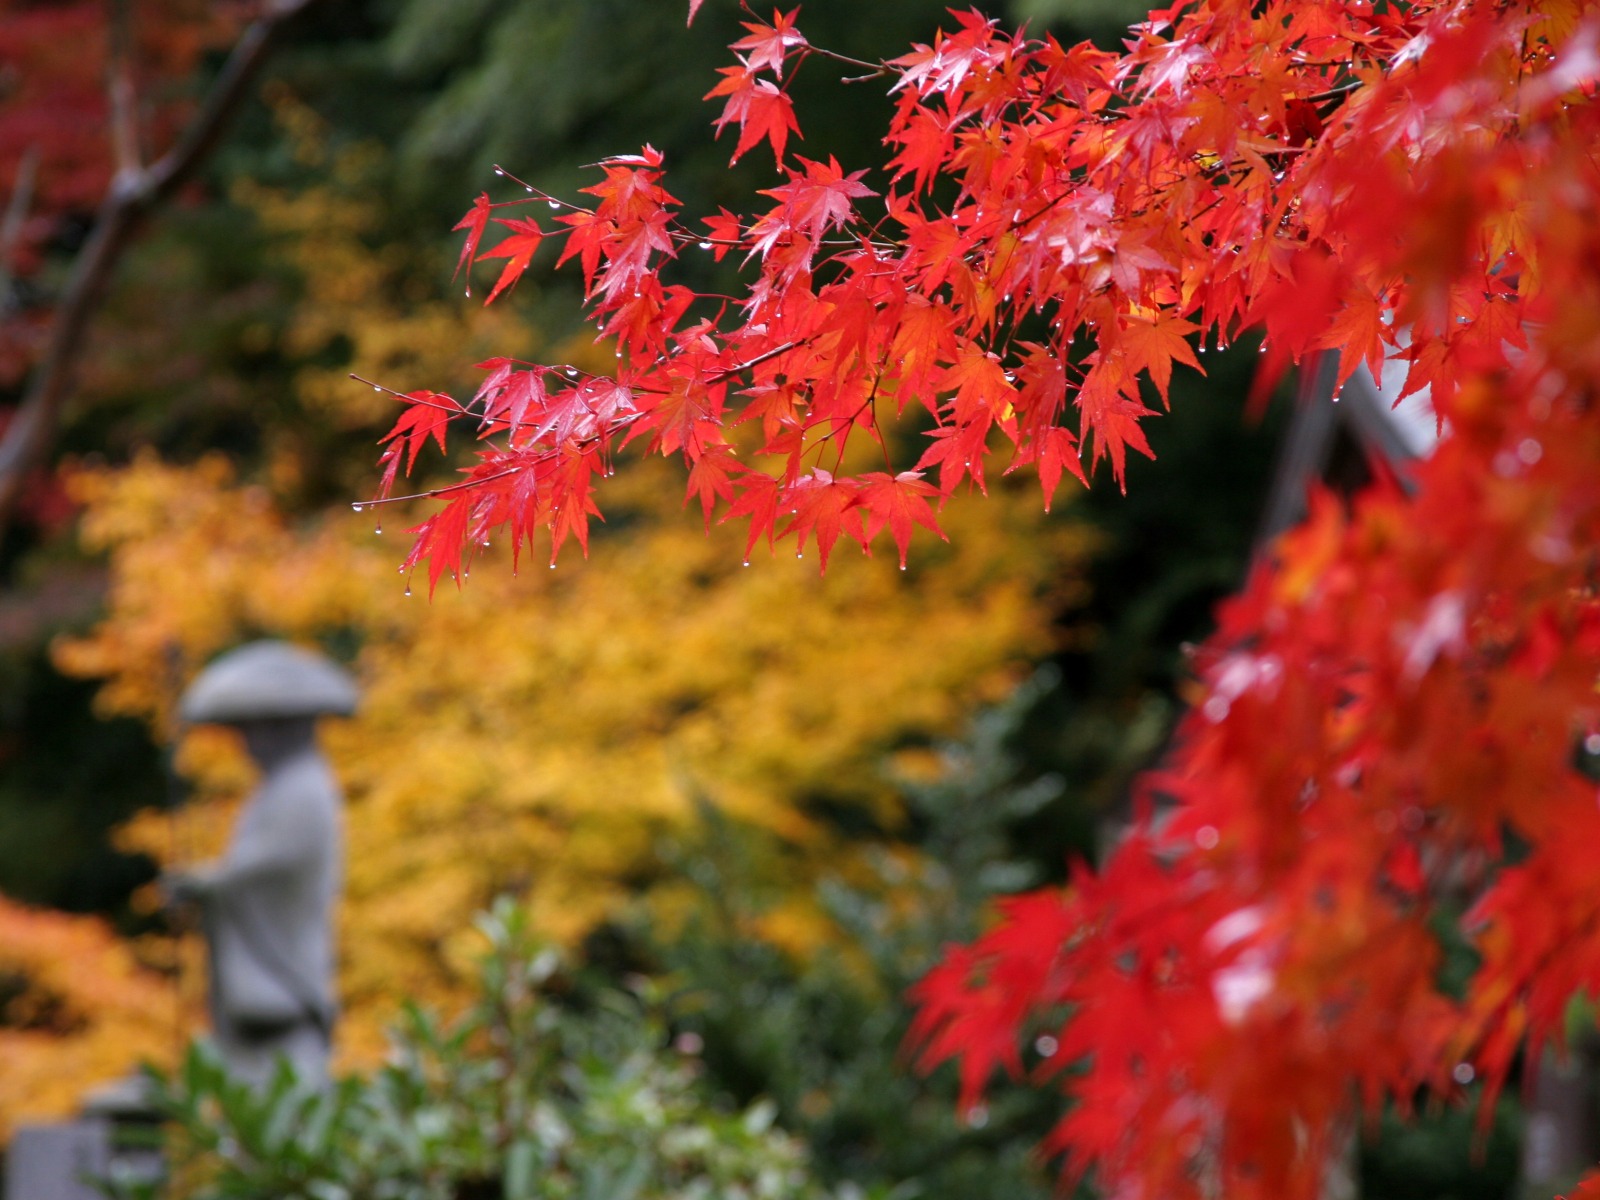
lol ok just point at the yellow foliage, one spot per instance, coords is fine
(367, 302)
(76, 1009)
(542, 733)
(539, 734)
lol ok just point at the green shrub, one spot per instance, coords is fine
(541, 1090)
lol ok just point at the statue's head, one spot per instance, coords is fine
(272, 692)
(266, 680)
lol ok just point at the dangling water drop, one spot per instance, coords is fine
(378, 529)
(408, 589)
(747, 562)
(555, 204)
(499, 171)
(705, 245)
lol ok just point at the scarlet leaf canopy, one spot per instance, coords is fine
(1398, 690)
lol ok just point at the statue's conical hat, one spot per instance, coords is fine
(268, 679)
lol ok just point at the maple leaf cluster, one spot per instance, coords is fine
(1394, 698)
(1206, 182)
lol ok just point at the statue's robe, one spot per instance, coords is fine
(268, 917)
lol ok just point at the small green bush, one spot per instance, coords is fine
(539, 1091)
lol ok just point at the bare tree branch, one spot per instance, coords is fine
(119, 86)
(16, 213)
(133, 193)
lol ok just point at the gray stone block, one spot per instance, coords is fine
(53, 1162)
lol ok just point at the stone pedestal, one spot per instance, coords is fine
(55, 1162)
(116, 1136)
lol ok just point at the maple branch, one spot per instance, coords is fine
(875, 70)
(456, 409)
(362, 505)
(1336, 93)
(739, 368)
(132, 195)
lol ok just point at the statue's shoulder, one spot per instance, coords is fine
(304, 779)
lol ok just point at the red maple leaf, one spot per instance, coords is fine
(710, 479)
(816, 201)
(756, 501)
(827, 507)
(898, 502)
(726, 231)
(1154, 345)
(519, 247)
(1057, 449)
(762, 110)
(769, 45)
(427, 415)
(474, 222)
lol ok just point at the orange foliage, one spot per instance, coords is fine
(77, 1008)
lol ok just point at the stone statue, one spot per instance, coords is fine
(267, 904)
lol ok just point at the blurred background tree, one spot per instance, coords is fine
(682, 766)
